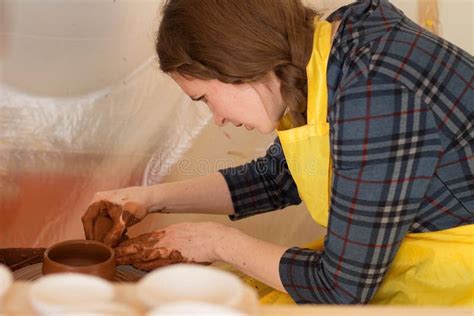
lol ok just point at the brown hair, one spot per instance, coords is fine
(240, 41)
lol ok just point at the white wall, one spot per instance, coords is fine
(456, 20)
(73, 47)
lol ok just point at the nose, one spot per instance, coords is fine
(220, 121)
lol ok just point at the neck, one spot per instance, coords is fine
(279, 112)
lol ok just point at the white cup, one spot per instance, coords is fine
(190, 282)
(101, 309)
(194, 309)
(61, 292)
(6, 280)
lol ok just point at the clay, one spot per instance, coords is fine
(82, 256)
(144, 253)
(174, 257)
(147, 237)
(102, 225)
(107, 222)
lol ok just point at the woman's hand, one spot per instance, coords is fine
(111, 212)
(184, 242)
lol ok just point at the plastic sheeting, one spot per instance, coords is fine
(84, 108)
(71, 123)
(55, 152)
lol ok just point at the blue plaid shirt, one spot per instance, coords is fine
(400, 110)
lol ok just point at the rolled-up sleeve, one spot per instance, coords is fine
(262, 185)
(385, 148)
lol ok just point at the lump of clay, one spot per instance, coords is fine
(102, 225)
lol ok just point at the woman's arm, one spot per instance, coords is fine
(208, 194)
(111, 212)
(204, 242)
(262, 185)
(254, 257)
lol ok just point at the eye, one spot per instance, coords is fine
(201, 98)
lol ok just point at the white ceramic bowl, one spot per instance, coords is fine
(194, 309)
(190, 282)
(56, 293)
(6, 280)
(102, 309)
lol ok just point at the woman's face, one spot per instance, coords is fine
(256, 105)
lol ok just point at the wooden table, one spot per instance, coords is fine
(16, 303)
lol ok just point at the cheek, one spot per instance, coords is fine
(224, 105)
(237, 103)
(217, 108)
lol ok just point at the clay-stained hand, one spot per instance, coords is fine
(185, 242)
(143, 252)
(111, 212)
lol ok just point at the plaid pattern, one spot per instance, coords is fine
(402, 142)
(262, 185)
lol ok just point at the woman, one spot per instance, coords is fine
(374, 119)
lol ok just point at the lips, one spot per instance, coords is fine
(249, 128)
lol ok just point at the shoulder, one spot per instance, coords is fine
(377, 40)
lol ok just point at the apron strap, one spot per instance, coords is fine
(316, 73)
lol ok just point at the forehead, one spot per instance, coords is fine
(195, 87)
(188, 83)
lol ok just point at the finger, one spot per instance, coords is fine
(124, 237)
(135, 247)
(127, 250)
(177, 256)
(135, 240)
(145, 266)
(205, 263)
(144, 256)
(114, 234)
(147, 237)
(133, 213)
(151, 265)
(89, 217)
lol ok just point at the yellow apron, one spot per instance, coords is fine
(434, 268)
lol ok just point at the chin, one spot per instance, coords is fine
(266, 129)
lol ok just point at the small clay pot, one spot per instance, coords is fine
(82, 256)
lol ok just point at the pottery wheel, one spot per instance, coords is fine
(122, 273)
